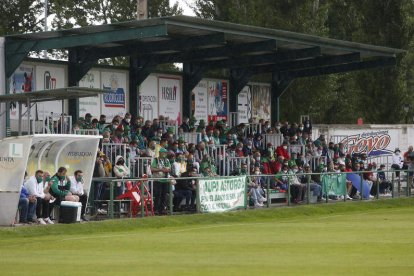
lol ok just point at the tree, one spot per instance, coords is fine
(20, 16)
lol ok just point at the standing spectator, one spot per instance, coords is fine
(87, 123)
(397, 162)
(146, 129)
(76, 188)
(307, 126)
(185, 125)
(101, 124)
(161, 168)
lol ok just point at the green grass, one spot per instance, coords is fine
(363, 238)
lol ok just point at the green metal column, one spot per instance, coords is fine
(278, 87)
(192, 75)
(133, 87)
(73, 80)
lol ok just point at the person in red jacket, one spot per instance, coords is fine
(283, 151)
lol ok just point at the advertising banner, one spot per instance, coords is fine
(244, 105)
(13, 159)
(221, 195)
(261, 101)
(373, 142)
(169, 95)
(334, 184)
(22, 80)
(91, 104)
(200, 101)
(114, 102)
(50, 77)
(148, 98)
(217, 100)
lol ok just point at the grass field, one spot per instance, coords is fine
(363, 238)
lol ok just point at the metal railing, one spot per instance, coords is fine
(113, 150)
(218, 155)
(234, 164)
(275, 139)
(87, 132)
(329, 184)
(191, 137)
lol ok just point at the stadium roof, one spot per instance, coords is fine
(213, 44)
(52, 95)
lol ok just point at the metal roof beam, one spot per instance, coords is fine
(14, 46)
(178, 44)
(326, 70)
(282, 56)
(308, 63)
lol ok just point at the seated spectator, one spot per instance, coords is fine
(207, 162)
(27, 206)
(255, 189)
(76, 188)
(385, 186)
(283, 151)
(306, 178)
(35, 187)
(248, 149)
(297, 189)
(200, 152)
(185, 189)
(282, 179)
(239, 150)
(60, 188)
(120, 171)
(257, 142)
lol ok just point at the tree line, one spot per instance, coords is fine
(376, 95)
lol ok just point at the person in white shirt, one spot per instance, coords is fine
(35, 187)
(397, 161)
(76, 188)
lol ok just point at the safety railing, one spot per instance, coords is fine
(288, 188)
(275, 139)
(234, 164)
(140, 166)
(113, 150)
(298, 149)
(218, 155)
(86, 132)
(191, 137)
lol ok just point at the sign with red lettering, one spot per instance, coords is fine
(372, 143)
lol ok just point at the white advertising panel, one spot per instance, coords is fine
(373, 142)
(13, 159)
(169, 95)
(244, 105)
(91, 104)
(49, 77)
(200, 101)
(114, 102)
(261, 101)
(148, 98)
(217, 100)
(22, 81)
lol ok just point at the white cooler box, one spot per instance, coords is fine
(70, 212)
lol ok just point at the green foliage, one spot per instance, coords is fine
(19, 16)
(375, 95)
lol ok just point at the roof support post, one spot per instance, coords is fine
(192, 75)
(238, 80)
(278, 87)
(139, 70)
(73, 80)
(78, 65)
